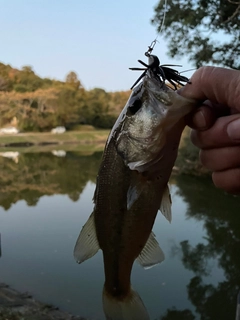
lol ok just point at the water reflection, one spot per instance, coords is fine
(38, 174)
(199, 278)
(220, 214)
(178, 315)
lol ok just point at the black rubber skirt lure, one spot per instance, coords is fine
(161, 72)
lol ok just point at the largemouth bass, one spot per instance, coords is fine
(132, 185)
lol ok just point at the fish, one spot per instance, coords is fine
(131, 186)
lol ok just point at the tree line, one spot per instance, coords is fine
(39, 104)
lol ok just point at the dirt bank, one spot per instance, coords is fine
(21, 306)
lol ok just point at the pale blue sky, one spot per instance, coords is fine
(98, 40)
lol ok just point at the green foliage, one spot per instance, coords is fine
(72, 80)
(206, 31)
(5, 81)
(188, 157)
(96, 109)
(20, 87)
(41, 104)
(34, 104)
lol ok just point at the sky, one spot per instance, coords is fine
(99, 40)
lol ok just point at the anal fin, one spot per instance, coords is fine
(151, 254)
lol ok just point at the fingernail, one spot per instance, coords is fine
(199, 120)
(233, 129)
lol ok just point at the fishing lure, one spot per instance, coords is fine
(161, 72)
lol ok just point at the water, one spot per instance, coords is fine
(44, 202)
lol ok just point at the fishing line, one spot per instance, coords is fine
(164, 16)
(153, 43)
(160, 72)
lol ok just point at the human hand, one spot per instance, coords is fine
(216, 124)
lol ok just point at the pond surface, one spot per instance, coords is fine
(45, 200)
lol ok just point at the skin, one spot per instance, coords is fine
(216, 123)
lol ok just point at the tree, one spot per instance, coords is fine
(73, 80)
(27, 69)
(206, 30)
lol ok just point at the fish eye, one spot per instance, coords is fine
(135, 106)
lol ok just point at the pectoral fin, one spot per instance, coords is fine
(151, 254)
(166, 204)
(135, 189)
(87, 243)
(133, 194)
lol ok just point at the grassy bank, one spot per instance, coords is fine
(46, 141)
(87, 140)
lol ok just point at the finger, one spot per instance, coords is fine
(201, 119)
(219, 85)
(225, 132)
(228, 180)
(221, 159)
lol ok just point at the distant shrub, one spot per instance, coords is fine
(20, 87)
(34, 104)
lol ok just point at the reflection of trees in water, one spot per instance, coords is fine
(38, 174)
(173, 314)
(221, 217)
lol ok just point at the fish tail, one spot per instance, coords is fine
(130, 307)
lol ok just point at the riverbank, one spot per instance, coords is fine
(88, 140)
(46, 141)
(41, 138)
(21, 306)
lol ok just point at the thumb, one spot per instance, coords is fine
(201, 118)
(225, 132)
(233, 130)
(218, 85)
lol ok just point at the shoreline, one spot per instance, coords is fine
(46, 138)
(15, 305)
(46, 142)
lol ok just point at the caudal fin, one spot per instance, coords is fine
(129, 308)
